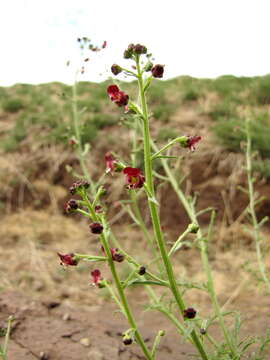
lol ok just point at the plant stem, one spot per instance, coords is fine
(204, 253)
(154, 212)
(76, 126)
(123, 299)
(252, 211)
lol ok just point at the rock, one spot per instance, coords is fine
(95, 355)
(66, 317)
(85, 342)
(44, 356)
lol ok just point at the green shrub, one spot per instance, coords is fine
(166, 134)
(90, 105)
(157, 93)
(13, 105)
(103, 120)
(262, 90)
(223, 110)
(232, 133)
(88, 132)
(190, 95)
(164, 111)
(263, 167)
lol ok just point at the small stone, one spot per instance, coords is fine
(38, 285)
(66, 317)
(44, 356)
(95, 355)
(85, 342)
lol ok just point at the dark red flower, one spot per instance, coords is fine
(134, 178)
(117, 96)
(192, 140)
(104, 45)
(68, 259)
(110, 162)
(98, 209)
(116, 255)
(157, 71)
(96, 228)
(96, 277)
(190, 313)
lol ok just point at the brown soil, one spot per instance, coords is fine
(58, 315)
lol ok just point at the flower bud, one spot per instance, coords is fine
(142, 270)
(96, 228)
(189, 313)
(148, 66)
(127, 340)
(129, 51)
(78, 186)
(193, 228)
(116, 69)
(140, 49)
(71, 205)
(157, 71)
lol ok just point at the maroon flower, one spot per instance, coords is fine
(96, 277)
(71, 205)
(116, 255)
(96, 228)
(134, 178)
(98, 209)
(189, 313)
(104, 45)
(117, 96)
(157, 71)
(68, 259)
(191, 141)
(110, 162)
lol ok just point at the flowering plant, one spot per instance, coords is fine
(190, 325)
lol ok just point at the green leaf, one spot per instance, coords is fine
(165, 157)
(144, 282)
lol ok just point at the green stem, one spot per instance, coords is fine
(154, 212)
(255, 223)
(167, 146)
(204, 253)
(178, 241)
(123, 299)
(76, 126)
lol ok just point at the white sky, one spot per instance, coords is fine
(201, 38)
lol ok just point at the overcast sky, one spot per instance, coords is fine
(201, 38)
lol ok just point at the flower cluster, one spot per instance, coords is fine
(78, 186)
(71, 205)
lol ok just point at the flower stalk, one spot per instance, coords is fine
(154, 212)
